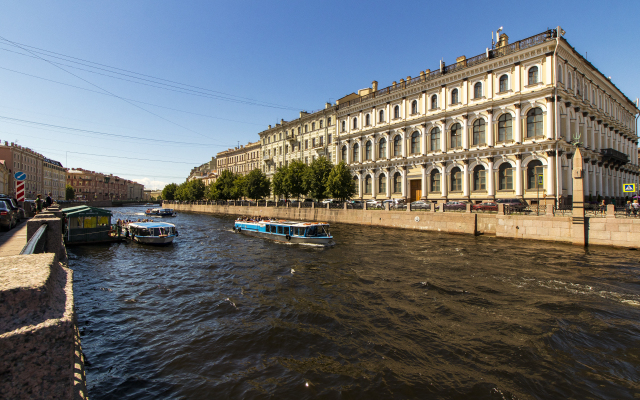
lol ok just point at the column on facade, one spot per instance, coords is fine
(491, 192)
(551, 173)
(373, 183)
(586, 176)
(404, 172)
(490, 79)
(423, 149)
(600, 189)
(465, 180)
(570, 175)
(465, 133)
(349, 152)
(518, 124)
(374, 117)
(387, 113)
(594, 178)
(519, 191)
(567, 131)
(387, 170)
(597, 137)
(443, 98)
(374, 147)
(424, 102)
(404, 142)
(490, 138)
(424, 186)
(360, 183)
(443, 180)
(465, 91)
(388, 147)
(516, 78)
(550, 118)
(403, 108)
(361, 151)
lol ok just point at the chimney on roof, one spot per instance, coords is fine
(374, 86)
(281, 121)
(461, 59)
(269, 126)
(503, 40)
(327, 105)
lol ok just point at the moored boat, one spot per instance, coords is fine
(160, 212)
(152, 232)
(286, 231)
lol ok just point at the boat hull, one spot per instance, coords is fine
(318, 240)
(157, 240)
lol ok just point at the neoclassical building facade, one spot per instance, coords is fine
(502, 124)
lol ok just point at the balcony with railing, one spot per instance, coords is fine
(614, 156)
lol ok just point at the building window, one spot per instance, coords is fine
(397, 182)
(534, 122)
(355, 122)
(505, 177)
(367, 150)
(456, 179)
(415, 142)
(397, 143)
(344, 126)
(329, 121)
(454, 96)
(456, 136)
(320, 124)
(344, 153)
(367, 120)
(396, 112)
(479, 178)
(313, 126)
(329, 138)
(435, 139)
(321, 138)
(477, 90)
(414, 107)
(534, 168)
(478, 132)
(382, 183)
(356, 150)
(381, 116)
(313, 142)
(305, 128)
(435, 180)
(504, 128)
(306, 144)
(382, 148)
(504, 83)
(434, 101)
(367, 184)
(560, 79)
(533, 75)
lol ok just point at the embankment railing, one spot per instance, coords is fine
(37, 243)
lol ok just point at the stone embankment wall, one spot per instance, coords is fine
(609, 231)
(40, 351)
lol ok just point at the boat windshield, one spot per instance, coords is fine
(325, 231)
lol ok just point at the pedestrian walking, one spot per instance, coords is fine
(38, 203)
(627, 208)
(48, 201)
(636, 208)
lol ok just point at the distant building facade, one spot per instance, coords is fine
(22, 159)
(4, 178)
(54, 179)
(91, 185)
(240, 160)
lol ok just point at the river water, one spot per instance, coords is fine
(383, 314)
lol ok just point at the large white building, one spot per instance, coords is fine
(487, 126)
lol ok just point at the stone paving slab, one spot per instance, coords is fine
(12, 242)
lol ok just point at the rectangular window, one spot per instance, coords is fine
(329, 121)
(320, 124)
(313, 126)
(329, 138)
(306, 160)
(313, 142)
(306, 144)
(321, 140)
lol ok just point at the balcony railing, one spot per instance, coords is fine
(613, 155)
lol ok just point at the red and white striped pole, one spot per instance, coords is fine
(20, 190)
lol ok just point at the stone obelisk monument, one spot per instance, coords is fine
(579, 232)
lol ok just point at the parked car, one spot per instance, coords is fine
(517, 204)
(357, 204)
(14, 206)
(455, 205)
(374, 203)
(420, 205)
(326, 201)
(8, 216)
(486, 206)
(395, 204)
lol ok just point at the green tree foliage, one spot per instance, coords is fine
(257, 185)
(169, 191)
(69, 193)
(239, 186)
(340, 183)
(278, 183)
(224, 188)
(316, 176)
(294, 178)
(195, 190)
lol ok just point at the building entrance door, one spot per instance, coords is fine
(415, 191)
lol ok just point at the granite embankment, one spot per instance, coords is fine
(608, 230)
(40, 352)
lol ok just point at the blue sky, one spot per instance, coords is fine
(251, 63)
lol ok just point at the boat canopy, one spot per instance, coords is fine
(151, 225)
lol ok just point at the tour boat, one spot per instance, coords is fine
(160, 212)
(286, 231)
(152, 232)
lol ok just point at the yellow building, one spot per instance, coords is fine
(239, 160)
(54, 179)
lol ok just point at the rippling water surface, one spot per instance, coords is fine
(384, 314)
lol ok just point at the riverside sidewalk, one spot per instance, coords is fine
(12, 242)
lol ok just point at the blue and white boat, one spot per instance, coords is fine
(152, 232)
(286, 231)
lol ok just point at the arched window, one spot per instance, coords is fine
(344, 126)
(479, 178)
(534, 168)
(382, 148)
(367, 184)
(356, 153)
(504, 83)
(435, 139)
(415, 142)
(434, 101)
(397, 182)
(397, 146)
(505, 177)
(478, 132)
(435, 180)
(534, 122)
(533, 75)
(414, 107)
(344, 154)
(355, 122)
(456, 136)
(456, 179)
(396, 112)
(381, 116)
(477, 90)
(382, 183)
(356, 184)
(454, 96)
(504, 128)
(367, 120)
(367, 150)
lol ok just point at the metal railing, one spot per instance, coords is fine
(37, 243)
